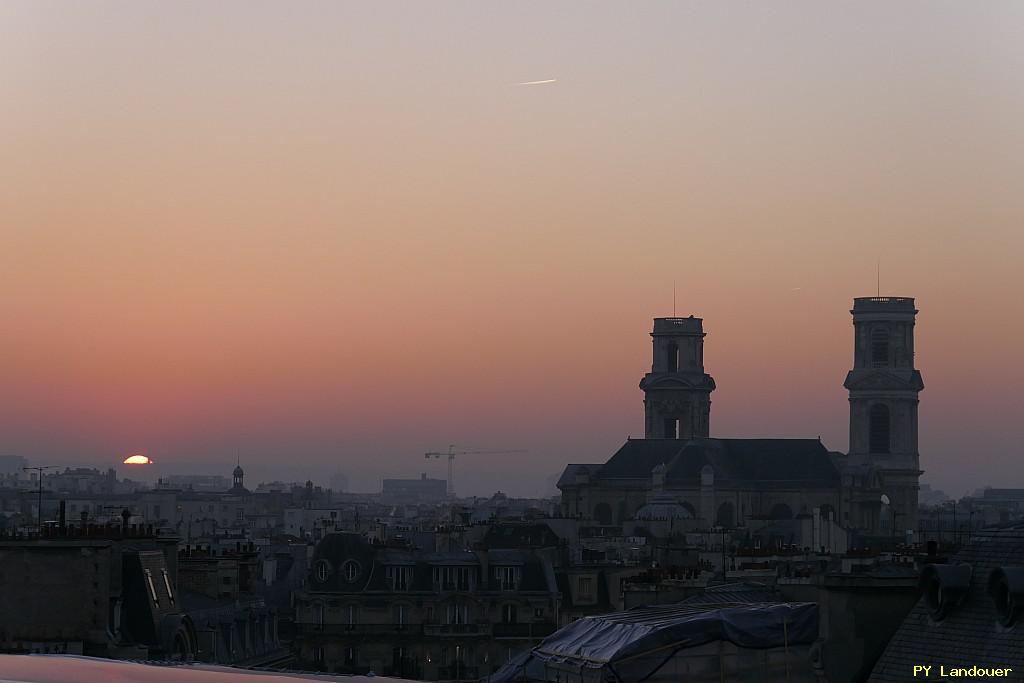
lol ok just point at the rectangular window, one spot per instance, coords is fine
(457, 614)
(585, 585)
(453, 578)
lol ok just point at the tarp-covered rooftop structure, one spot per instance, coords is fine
(734, 633)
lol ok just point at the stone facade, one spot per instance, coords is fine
(884, 387)
(677, 391)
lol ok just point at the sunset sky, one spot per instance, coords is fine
(331, 236)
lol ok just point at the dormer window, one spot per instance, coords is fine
(1006, 586)
(508, 578)
(350, 570)
(453, 578)
(398, 578)
(323, 570)
(944, 587)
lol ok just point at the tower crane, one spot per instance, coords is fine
(451, 453)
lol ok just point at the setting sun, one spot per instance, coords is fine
(138, 459)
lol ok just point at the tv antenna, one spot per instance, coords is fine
(39, 509)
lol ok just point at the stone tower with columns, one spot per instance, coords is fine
(677, 391)
(883, 389)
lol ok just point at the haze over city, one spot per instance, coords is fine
(328, 241)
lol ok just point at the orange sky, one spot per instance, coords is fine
(339, 234)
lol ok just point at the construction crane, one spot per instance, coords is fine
(451, 453)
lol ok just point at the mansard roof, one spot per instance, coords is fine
(731, 459)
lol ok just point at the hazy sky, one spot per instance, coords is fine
(332, 236)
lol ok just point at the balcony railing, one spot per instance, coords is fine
(355, 630)
(883, 302)
(400, 630)
(458, 672)
(456, 629)
(529, 630)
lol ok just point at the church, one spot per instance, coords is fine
(871, 490)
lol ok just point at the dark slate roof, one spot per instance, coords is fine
(638, 457)
(761, 460)
(571, 470)
(734, 594)
(518, 535)
(970, 634)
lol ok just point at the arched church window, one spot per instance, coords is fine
(672, 357)
(879, 347)
(879, 428)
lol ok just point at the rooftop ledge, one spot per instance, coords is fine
(883, 302)
(689, 324)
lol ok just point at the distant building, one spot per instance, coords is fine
(232, 623)
(339, 482)
(206, 483)
(82, 480)
(733, 482)
(12, 465)
(422, 490)
(412, 613)
(238, 482)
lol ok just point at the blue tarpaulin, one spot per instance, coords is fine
(641, 640)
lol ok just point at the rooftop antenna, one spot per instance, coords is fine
(673, 298)
(878, 277)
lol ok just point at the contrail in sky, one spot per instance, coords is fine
(550, 80)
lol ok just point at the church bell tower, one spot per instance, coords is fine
(677, 391)
(884, 387)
